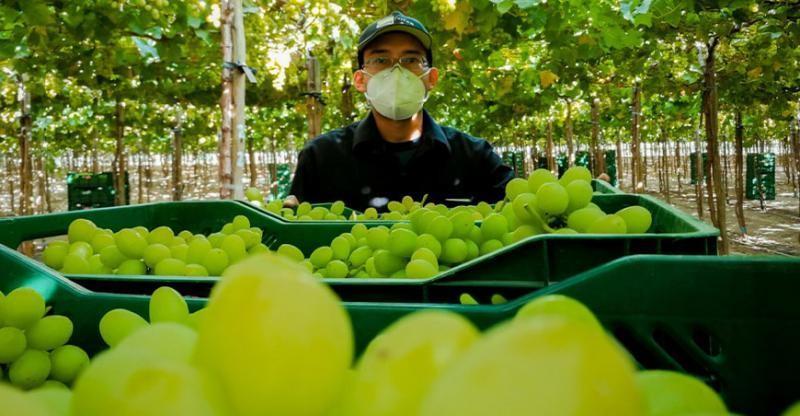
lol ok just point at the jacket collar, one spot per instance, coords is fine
(366, 132)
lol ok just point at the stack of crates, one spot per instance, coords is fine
(93, 190)
(693, 166)
(760, 176)
(515, 159)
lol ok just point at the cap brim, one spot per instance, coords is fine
(422, 37)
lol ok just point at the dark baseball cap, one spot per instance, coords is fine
(395, 22)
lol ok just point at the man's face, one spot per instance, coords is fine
(393, 45)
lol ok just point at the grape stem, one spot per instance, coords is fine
(539, 219)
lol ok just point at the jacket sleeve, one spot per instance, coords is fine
(305, 177)
(495, 175)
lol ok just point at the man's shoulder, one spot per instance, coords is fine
(335, 138)
(457, 137)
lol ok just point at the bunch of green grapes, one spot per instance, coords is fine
(307, 212)
(139, 251)
(403, 209)
(33, 345)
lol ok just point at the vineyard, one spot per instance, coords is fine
(626, 240)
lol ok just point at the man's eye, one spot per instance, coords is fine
(380, 60)
(411, 60)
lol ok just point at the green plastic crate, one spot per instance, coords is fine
(604, 187)
(528, 264)
(732, 321)
(693, 166)
(87, 190)
(760, 176)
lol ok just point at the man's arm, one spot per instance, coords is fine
(494, 173)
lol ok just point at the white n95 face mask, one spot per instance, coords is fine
(396, 92)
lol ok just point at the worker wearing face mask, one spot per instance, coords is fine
(398, 149)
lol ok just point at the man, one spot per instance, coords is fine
(398, 149)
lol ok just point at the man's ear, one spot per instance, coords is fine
(360, 81)
(433, 77)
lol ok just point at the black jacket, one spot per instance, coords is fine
(354, 164)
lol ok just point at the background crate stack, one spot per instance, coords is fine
(87, 190)
(516, 160)
(760, 176)
(693, 166)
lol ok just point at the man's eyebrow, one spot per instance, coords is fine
(405, 52)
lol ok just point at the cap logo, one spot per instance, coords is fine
(386, 21)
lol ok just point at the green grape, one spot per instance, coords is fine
(304, 208)
(443, 268)
(234, 247)
(96, 266)
(402, 242)
(30, 369)
(351, 239)
(101, 240)
(515, 187)
(276, 206)
(307, 264)
(507, 239)
(550, 365)
(66, 362)
(552, 198)
(467, 299)
(378, 237)
(489, 246)
(117, 324)
(520, 206)
(430, 242)
(508, 213)
(473, 250)
(440, 227)
(415, 218)
(420, 269)
(398, 367)
(187, 235)
(580, 220)
(174, 341)
(475, 234)
(175, 241)
(369, 267)
(407, 202)
(359, 231)
(142, 231)
(12, 344)
(441, 209)
(359, 256)
(22, 308)
(608, 224)
(524, 231)
(249, 237)
(387, 263)
(197, 249)
(498, 299)
(321, 256)
(317, 213)
(395, 206)
(454, 251)
(462, 224)
(565, 230)
(253, 194)
(400, 274)
(161, 235)
(49, 332)
(576, 173)
(426, 254)
(53, 255)
(154, 253)
(128, 382)
(336, 269)
(131, 267)
(81, 248)
(309, 318)
(258, 248)
(558, 306)
(194, 318)
(240, 222)
(538, 178)
(215, 262)
(637, 219)
(483, 208)
(81, 230)
(167, 305)
(672, 393)
(494, 226)
(425, 221)
(216, 239)
(580, 194)
(130, 243)
(19, 403)
(52, 384)
(341, 248)
(170, 267)
(75, 264)
(111, 256)
(179, 252)
(227, 229)
(337, 207)
(56, 400)
(291, 252)
(196, 270)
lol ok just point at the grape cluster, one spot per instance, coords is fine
(304, 212)
(273, 340)
(138, 251)
(33, 345)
